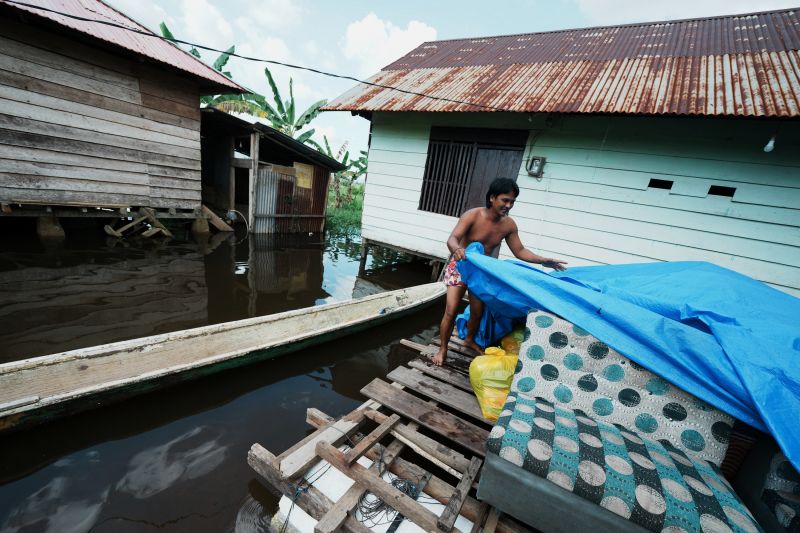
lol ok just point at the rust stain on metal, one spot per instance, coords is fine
(151, 47)
(738, 65)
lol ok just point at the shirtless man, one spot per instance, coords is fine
(488, 225)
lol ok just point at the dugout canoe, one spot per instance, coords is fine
(40, 388)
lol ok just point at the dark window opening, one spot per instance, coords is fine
(660, 184)
(719, 190)
(461, 164)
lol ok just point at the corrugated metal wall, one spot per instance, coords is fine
(288, 204)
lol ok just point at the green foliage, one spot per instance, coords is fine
(345, 219)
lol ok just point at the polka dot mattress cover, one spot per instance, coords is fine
(782, 493)
(566, 365)
(652, 483)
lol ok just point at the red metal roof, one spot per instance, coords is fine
(151, 47)
(741, 65)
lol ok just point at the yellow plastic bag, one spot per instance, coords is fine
(511, 342)
(490, 376)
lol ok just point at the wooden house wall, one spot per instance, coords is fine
(593, 204)
(82, 126)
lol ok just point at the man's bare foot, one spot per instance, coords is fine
(438, 359)
(469, 343)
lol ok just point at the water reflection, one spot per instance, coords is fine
(175, 460)
(90, 291)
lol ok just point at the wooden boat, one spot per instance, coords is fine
(35, 389)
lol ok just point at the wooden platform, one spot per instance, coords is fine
(426, 413)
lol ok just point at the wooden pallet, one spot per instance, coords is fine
(418, 400)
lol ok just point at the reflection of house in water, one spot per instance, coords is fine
(64, 302)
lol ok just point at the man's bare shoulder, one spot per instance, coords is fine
(471, 214)
(509, 225)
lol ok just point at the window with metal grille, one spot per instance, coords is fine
(461, 164)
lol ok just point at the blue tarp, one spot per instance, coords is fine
(728, 339)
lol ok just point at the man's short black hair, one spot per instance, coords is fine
(501, 186)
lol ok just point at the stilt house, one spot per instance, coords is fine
(664, 141)
(96, 111)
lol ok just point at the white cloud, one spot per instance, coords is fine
(275, 15)
(599, 12)
(203, 23)
(373, 43)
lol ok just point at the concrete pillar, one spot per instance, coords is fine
(48, 227)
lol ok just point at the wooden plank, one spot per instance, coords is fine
(453, 508)
(433, 450)
(394, 498)
(337, 514)
(67, 118)
(216, 221)
(453, 359)
(478, 524)
(79, 94)
(443, 393)
(436, 488)
(371, 439)
(65, 175)
(492, 521)
(131, 151)
(442, 373)
(57, 197)
(468, 435)
(311, 499)
(239, 162)
(304, 456)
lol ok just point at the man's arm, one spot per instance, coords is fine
(458, 234)
(520, 252)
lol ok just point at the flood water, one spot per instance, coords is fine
(176, 460)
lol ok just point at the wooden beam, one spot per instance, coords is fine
(478, 523)
(251, 202)
(443, 373)
(448, 425)
(216, 221)
(443, 393)
(337, 514)
(454, 359)
(436, 488)
(453, 508)
(442, 456)
(311, 500)
(492, 521)
(305, 455)
(371, 439)
(395, 499)
(241, 162)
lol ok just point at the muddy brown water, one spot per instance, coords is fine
(176, 459)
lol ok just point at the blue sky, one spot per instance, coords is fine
(358, 37)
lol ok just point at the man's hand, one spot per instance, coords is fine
(555, 264)
(459, 254)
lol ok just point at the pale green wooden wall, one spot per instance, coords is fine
(593, 206)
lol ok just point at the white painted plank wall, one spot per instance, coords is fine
(82, 126)
(593, 205)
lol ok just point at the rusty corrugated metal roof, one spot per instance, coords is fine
(741, 65)
(151, 47)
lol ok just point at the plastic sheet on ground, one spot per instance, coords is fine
(728, 339)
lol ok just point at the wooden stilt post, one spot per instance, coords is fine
(364, 252)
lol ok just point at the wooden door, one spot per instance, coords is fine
(491, 163)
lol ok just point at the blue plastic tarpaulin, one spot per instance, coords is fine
(728, 339)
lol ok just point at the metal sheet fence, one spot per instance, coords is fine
(288, 204)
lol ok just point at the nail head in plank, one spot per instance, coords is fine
(468, 435)
(453, 508)
(368, 441)
(395, 499)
